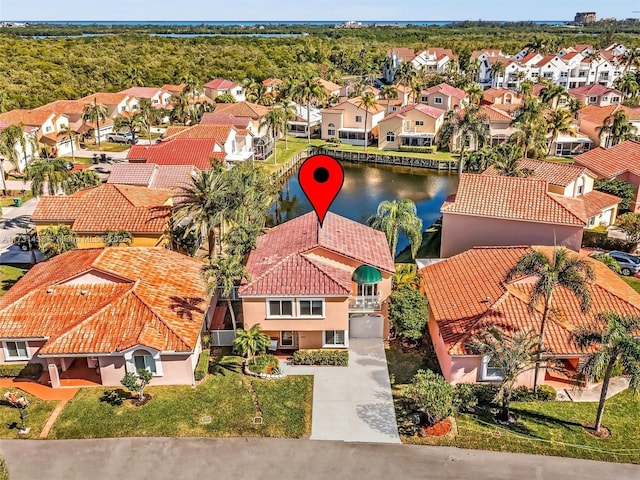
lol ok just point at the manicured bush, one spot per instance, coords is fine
(464, 398)
(202, 367)
(546, 393)
(594, 239)
(408, 312)
(113, 397)
(485, 393)
(406, 148)
(339, 358)
(22, 370)
(431, 395)
(263, 364)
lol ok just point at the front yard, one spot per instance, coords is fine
(222, 405)
(107, 147)
(37, 414)
(8, 277)
(634, 282)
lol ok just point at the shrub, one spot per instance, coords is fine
(338, 358)
(202, 367)
(616, 187)
(525, 394)
(464, 398)
(629, 223)
(594, 239)
(408, 312)
(21, 370)
(431, 395)
(113, 397)
(608, 261)
(485, 393)
(546, 393)
(262, 363)
(406, 148)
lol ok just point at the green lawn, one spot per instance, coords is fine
(8, 277)
(8, 201)
(634, 282)
(176, 411)
(37, 414)
(294, 145)
(78, 160)
(107, 147)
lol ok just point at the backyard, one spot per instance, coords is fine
(8, 277)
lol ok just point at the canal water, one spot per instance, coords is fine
(365, 186)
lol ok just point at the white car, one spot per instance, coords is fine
(121, 137)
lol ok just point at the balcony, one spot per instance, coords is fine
(365, 303)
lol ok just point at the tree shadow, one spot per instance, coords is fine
(8, 283)
(380, 417)
(187, 307)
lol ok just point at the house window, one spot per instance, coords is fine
(280, 308)
(564, 74)
(419, 123)
(490, 369)
(144, 362)
(47, 129)
(14, 350)
(310, 308)
(358, 119)
(123, 108)
(535, 74)
(593, 99)
(615, 99)
(363, 290)
(331, 130)
(437, 100)
(155, 101)
(391, 137)
(334, 338)
(424, 98)
(286, 338)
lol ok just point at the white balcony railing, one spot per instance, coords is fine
(365, 303)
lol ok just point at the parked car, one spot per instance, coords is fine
(27, 241)
(629, 264)
(121, 137)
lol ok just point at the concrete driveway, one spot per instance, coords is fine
(353, 403)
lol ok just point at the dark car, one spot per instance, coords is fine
(27, 241)
(629, 264)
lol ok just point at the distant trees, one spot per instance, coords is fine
(617, 187)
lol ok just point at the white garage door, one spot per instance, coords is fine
(365, 326)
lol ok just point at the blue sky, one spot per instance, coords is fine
(222, 10)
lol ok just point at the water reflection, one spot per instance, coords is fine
(365, 187)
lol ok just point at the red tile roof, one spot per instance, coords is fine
(432, 112)
(142, 92)
(288, 259)
(596, 114)
(510, 198)
(595, 202)
(220, 84)
(405, 54)
(150, 175)
(614, 161)
(447, 90)
(34, 118)
(105, 98)
(593, 90)
(467, 293)
(243, 109)
(213, 118)
(101, 301)
(271, 82)
(108, 207)
(555, 173)
(65, 107)
(174, 90)
(493, 114)
(218, 132)
(199, 152)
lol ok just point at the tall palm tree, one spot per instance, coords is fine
(472, 69)
(12, 137)
(574, 105)
(627, 84)
(250, 192)
(80, 179)
(394, 216)
(525, 89)
(222, 274)
(497, 70)
(614, 341)
(513, 353)
(132, 122)
(551, 94)
(631, 59)
(57, 239)
(366, 102)
(251, 342)
(274, 120)
(309, 89)
(475, 93)
(507, 161)
(53, 171)
(616, 129)
(95, 113)
(560, 121)
(532, 132)
(405, 73)
(65, 133)
(204, 204)
(471, 126)
(388, 93)
(563, 269)
(147, 114)
(406, 275)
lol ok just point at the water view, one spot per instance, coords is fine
(365, 186)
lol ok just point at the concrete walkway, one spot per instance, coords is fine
(284, 459)
(353, 403)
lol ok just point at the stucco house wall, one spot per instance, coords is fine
(32, 349)
(176, 370)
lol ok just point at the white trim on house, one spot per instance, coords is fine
(130, 363)
(335, 345)
(17, 358)
(310, 300)
(276, 299)
(483, 371)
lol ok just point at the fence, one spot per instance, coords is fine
(222, 338)
(290, 165)
(397, 160)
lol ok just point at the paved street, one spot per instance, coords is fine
(282, 459)
(12, 224)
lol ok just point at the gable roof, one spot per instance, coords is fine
(405, 54)
(220, 84)
(151, 175)
(555, 173)
(447, 90)
(219, 132)
(596, 114)
(467, 293)
(285, 261)
(33, 118)
(328, 85)
(611, 162)
(105, 98)
(355, 101)
(199, 152)
(493, 114)
(108, 207)
(427, 110)
(594, 89)
(71, 107)
(146, 296)
(510, 198)
(213, 118)
(242, 109)
(142, 92)
(174, 90)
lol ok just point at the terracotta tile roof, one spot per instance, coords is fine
(595, 202)
(218, 132)
(271, 82)
(242, 109)
(213, 118)
(174, 90)
(593, 90)
(108, 207)
(199, 152)
(467, 293)
(145, 296)
(555, 173)
(34, 118)
(377, 108)
(296, 246)
(330, 87)
(493, 114)
(546, 59)
(509, 198)
(569, 56)
(27, 128)
(529, 56)
(611, 162)
(106, 98)
(142, 92)
(405, 54)
(220, 84)
(596, 114)
(65, 107)
(447, 90)
(432, 112)
(150, 175)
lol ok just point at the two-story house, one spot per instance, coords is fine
(597, 94)
(593, 118)
(445, 97)
(435, 59)
(159, 98)
(47, 125)
(317, 287)
(261, 140)
(23, 156)
(74, 111)
(346, 122)
(415, 125)
(221, 86)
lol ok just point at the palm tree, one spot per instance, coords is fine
(57, 239)
(394, 216)
(250, 193)
(130, 121)
(512, 353)
(532, 132)
(616, 129)
(564, 269)
(551, 94)
(627, 84)
(573, 105)
(274, 120)
(147, 114)
(80, 179)
(251, 342)
(507, 161)
(115, 238)
(475, 93)
(617, 342)
(309, 89)
(405, 73)
(631, 59)
(525, 89)
(221, 275)
(95, 113)
(472, 69)
(497, 70)
(12, 137)
(388, 93)
(204, 204)
(560, 122)
(66, 133)
(53, 171)
(366, 102)
(473, 127)
(406, 275)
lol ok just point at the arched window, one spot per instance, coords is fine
(391, 137)
(144, 360)
(331, 130)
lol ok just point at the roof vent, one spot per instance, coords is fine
(49, 290)
(83, 292)
(488, 300)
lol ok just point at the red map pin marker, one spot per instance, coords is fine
(321, 178)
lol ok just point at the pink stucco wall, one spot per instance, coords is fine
(32, 347)
(635, 181)
(176, 370)
(462, 232)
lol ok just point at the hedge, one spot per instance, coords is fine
(202, 367)
(406, 148)
(22, 370)
(338, 358)
(595, 239)
(263, 363)
(467, 396)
